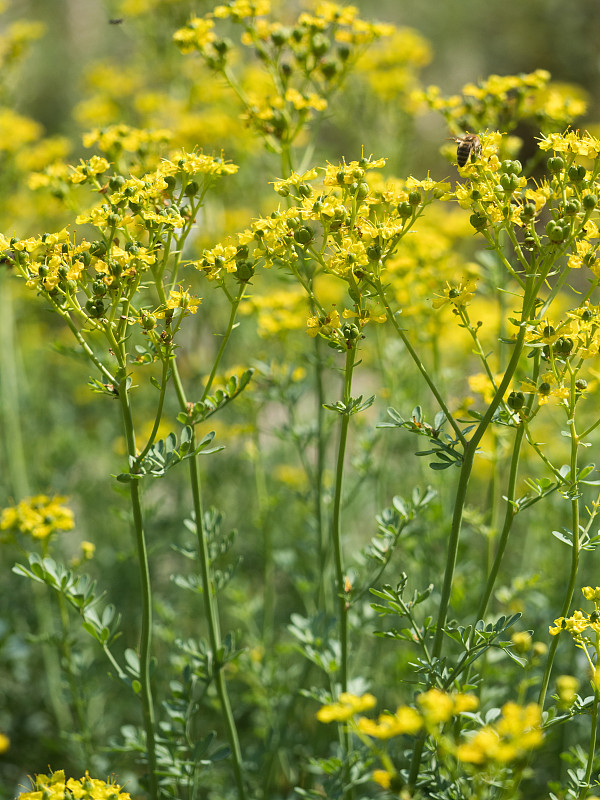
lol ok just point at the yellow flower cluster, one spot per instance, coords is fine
(505, 100)
(512, 737)
(39, 517)
(303, 67)
(56, 787)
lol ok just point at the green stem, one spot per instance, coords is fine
(210, 603)
(508, 521)
(235, 303)
(336, 541)
(585, 787)
(575, 552)
(146, 590)
(420, 366)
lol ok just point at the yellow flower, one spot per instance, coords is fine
(382, 777)
(55, 787)
(515, 734)
(4, 743)
(459, 296)
(405, 720)
(436, 706)
(347, 705)
(566, 687)
(38, 517)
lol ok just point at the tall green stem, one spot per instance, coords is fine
(210, 603)
(336, 535)
(146, 590)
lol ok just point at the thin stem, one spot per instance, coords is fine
(210, 604)
(336, 542)
(420, 366)
(146, 590)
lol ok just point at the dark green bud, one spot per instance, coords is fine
(590, 201)
(404, 210)
(515, 401)
(556, 164)
(374, 252)
(572, 207)
(244, 270)
(563, 346)
(304, 235)
(115, 182)
(478, 221)
(414, 198)
(192, 189)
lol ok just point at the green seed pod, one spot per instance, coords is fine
(304, 235)
(99, 288)
(556, 164)
(95, 308)
(329, 68)
(554, 232)
(320, 44)
(115, 182)
(305, 190)
(528, 211)
(404, 210)
(279, 37)
(171, 182)
(563, 346)
(572, 207)
(581, 384)
(362, 189)
(515, 401)
(192, 189)
(478, 221)
(544, 388)
(244, 270)
(414, 198)
(343, 52)
(590, 201)
(98, 249)
(374, 252)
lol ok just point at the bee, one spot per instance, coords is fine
(468, 145)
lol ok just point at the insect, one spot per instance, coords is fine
(115, 21)
(468, 145)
